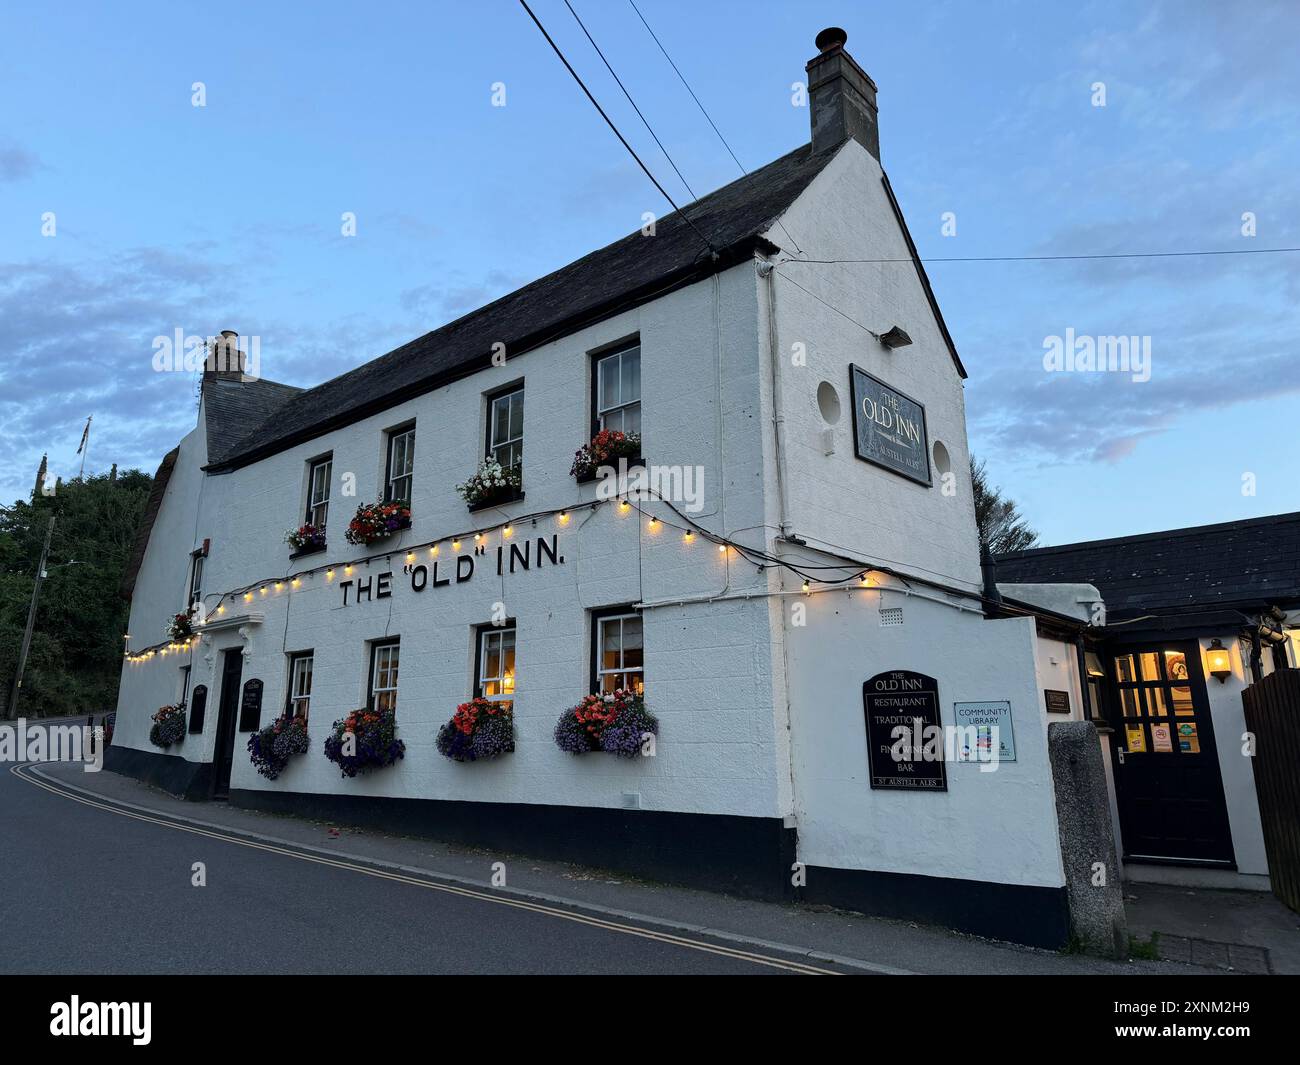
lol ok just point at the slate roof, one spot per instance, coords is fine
(629, 271)
(234, 409)
(1247, 563)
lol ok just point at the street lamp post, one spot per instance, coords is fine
(31, 623)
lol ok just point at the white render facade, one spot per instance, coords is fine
(758, 687)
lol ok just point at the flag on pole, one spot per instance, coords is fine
(85, 434)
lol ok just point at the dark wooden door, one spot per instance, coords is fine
(232, 669)
(1167, 781)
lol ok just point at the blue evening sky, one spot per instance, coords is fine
(228, 216)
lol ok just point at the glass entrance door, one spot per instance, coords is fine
(1167, 781)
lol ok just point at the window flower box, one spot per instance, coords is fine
(378, 521)
(481, 729)
(181, 627)
(168, 726)
(270, 749)
(605, 449)
(614, 722)
(305, 540)
(491, 485)
(364, 740)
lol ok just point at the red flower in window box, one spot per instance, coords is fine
(375, 521)
(605, 448)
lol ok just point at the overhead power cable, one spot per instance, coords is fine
(688, 86)
(1055, 258)
(609, 122)
(644, 120)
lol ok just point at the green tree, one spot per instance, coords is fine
(76, 653)
(1000, 523)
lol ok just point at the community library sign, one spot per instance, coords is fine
(514, 557)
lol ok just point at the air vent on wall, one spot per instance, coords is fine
(891, 616)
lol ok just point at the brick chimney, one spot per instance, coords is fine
(841, 97)
(224, 360)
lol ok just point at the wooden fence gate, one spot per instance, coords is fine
(1273, 716)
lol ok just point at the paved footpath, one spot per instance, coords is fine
(98, 869)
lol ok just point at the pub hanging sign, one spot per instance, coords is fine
(889, 427)
(905, 740)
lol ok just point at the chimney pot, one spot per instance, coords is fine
(841, 97)
(831, 37)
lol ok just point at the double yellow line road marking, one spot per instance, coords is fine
(789, 965)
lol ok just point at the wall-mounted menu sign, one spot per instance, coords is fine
(905, 741)
(889, 427)
(250, 706)
(198, 707)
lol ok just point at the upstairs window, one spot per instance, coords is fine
(319, 474)
(506, 428)
(383, 675)
(619, 657)
(300, 672)
(401, 465)
(618, 391)
(196, 578)
(496, 678)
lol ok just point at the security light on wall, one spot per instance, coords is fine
(893, 337)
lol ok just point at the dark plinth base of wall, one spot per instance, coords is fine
(188, 780)
(740, 854)
(1018, 913)
(749, 856)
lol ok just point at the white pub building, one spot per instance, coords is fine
(802, 576)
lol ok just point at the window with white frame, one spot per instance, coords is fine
(618, 390)
(196, 578)
(401, 465)
(319, 474)
(497, 679)
(620, 652)
(383, 675)
(300, 673)
(506, 428)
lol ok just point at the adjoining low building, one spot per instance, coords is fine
(803, 583)
(1192, 617)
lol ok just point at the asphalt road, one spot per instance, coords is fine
(89, 887)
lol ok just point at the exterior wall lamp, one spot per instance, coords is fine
(893, 337)
(1218, 661)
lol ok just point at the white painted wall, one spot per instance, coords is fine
(840, 500)
(994, 826)
(161, 588)
(709, 667)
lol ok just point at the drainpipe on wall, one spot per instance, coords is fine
(988, 570)
(767, 271)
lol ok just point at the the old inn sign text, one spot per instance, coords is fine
(508, 558)
(905, 747)
(888, 427)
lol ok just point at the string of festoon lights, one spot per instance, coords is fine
(272, 587)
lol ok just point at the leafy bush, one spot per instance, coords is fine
(615, 722)
(271, 748)
(364, 740)
(480, 729)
